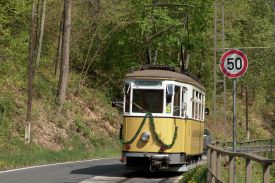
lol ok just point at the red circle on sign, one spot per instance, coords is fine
(230, 56)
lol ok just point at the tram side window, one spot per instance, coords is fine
(127, 93)
(177, 101)
(193, 104)
(202, 108)
(169, 94)
(197, 105)
(183, 107)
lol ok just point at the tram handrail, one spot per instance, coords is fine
(215, 152)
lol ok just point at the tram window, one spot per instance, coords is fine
(202, 108)
(169, 94)
(147, 101)
(127, 93)
(168, 109)
(193, 104)
(170, 90)
(197, 105)
(183, 104)
(177, 101)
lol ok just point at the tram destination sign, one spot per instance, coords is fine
(233, 63)
(147, 83)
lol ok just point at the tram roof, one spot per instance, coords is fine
(164, 75)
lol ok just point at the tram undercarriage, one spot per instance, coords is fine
(161, 161)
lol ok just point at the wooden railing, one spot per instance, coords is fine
(244, 150)
(253, 146)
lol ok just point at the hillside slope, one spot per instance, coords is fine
(87, 121)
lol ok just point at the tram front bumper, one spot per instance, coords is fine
(170, 158)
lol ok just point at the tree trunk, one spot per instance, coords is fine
(38, 19)
(30, 78)
(155, 57)
(41, 32)
(64, 70)
(59, 46)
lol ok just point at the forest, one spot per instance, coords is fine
(107, 39)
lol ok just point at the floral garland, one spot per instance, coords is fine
(152, 124)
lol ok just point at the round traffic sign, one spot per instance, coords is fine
(233, 63)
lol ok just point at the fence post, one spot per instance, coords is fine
(262, 148)
(266, 149)
(248, 171)
(231, 169)
(209, 174)
(271, 150)
(266, 173)
(214, 165)
(218, 168)
(255, 147)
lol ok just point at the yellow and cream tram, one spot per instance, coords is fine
(163, 118)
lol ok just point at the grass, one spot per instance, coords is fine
(240, 171)
(18, 154)
(196, 175)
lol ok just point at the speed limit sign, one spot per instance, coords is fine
(233, 63)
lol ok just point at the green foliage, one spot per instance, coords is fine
(44, 88)
(95, 140)
(6, 105)
(6, 109)
(120, 33)
(196, 175)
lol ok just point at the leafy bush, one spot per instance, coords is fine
(6, 107)
(197, 175)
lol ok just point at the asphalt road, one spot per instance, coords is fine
(99, 171)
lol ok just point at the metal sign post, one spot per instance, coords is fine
(234, 115)
(233, 64)
(234, 126)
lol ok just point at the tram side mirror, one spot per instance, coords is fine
(117, 103)
(206, 111)
(114, 102)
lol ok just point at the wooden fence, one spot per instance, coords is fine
(246, 150)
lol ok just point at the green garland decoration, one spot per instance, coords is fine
(137, 132)
(152, 124)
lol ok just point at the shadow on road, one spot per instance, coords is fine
(119, 170)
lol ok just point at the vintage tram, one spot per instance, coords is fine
(163, 118)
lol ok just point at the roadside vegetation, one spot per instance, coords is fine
(196, 175)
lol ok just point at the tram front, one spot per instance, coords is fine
(153, 130)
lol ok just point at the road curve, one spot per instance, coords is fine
(107, 170)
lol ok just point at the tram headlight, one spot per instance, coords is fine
(145, 136)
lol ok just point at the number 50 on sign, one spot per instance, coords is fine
(233, 63)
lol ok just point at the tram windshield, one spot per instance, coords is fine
(147, 100)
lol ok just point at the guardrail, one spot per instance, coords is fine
(253, 146)
(217, 149)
